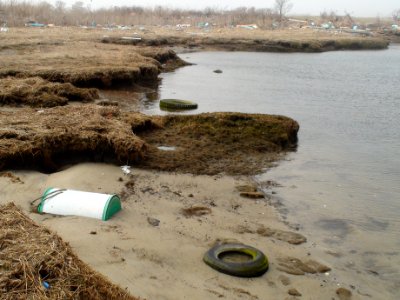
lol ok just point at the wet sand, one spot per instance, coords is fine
(165, 261)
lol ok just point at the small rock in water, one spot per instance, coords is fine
(152, 221)
(218, 71)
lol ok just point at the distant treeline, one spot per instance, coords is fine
(17, 13)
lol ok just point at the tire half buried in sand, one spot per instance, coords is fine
(177, 104)
(255, 264)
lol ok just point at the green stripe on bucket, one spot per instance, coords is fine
(112, 206)
(40, 206)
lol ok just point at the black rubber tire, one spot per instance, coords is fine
(257, 266)
(177, 104)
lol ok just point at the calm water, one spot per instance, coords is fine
(342, 186)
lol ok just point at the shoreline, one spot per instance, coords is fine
(165, 261)
(156, 271)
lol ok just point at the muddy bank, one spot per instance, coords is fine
(257, 44)
(205, 144)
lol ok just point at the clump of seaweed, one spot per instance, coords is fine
(36, 263)
(212, 143)
(37, 92)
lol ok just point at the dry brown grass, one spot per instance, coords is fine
(45, 139)
(234, 39)
(78, 57)
(212, 143)
(37, 92)
(31, 255)
(206, 144)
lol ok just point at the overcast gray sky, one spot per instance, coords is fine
(360, 8)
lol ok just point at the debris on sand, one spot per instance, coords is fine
(195, 211)
(37, 92)
(38, 264)
(295, 266)
(252, 195)
(13, 178)
(343, 294)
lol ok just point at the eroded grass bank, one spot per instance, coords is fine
(73, 56)
(295, 40)
(234, 143)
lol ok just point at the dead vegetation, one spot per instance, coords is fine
(212, 143)
(37, 92)
(261, 41)
(71, 55)
(45, 139)
(35, 263)
(234, 143)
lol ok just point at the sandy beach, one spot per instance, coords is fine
(165, 261)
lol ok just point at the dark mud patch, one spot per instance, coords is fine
(195, 211)
(344, 294)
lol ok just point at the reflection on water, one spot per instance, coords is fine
(343, 184)
(132, 97)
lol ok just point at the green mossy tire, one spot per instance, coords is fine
(177, 104)
(257, 266)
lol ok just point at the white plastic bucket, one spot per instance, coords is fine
(77, 203)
